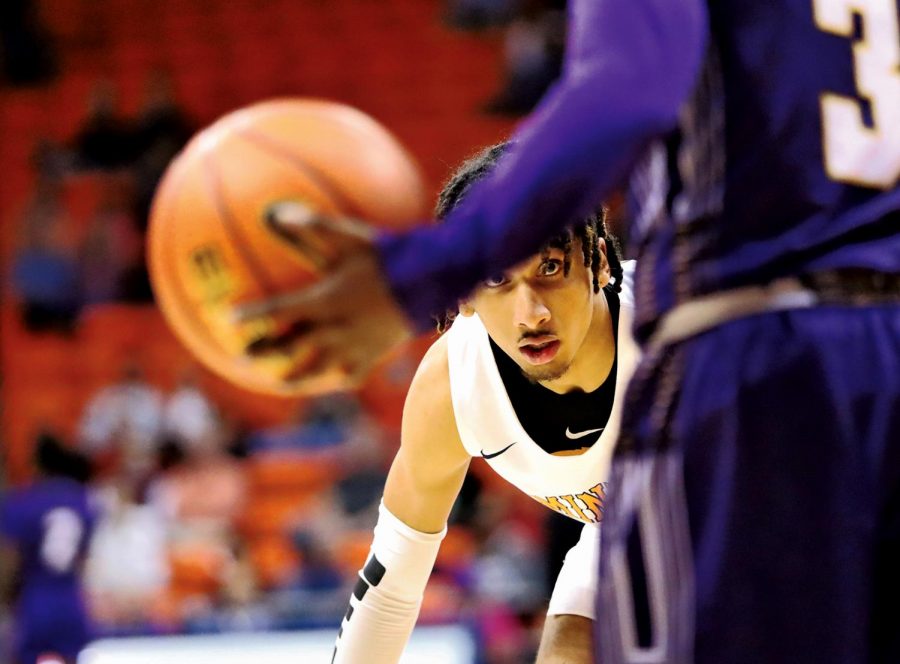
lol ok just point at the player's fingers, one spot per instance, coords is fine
(318, 384)
(356, 363)
(322, 371)
(302, 340)
(297, 224)
(355, 373)
(329, 351)
(302, 304)
(296, 217)
(281, 341)
(322, 238)
(317, 362)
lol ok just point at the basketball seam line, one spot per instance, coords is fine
(274, 148)
(231, 227)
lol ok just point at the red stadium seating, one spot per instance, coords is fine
(393, 59)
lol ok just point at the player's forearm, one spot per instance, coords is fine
(387, 597)
(630, 67)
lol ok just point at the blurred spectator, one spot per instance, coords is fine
(127, 567)
(50, 159)
(508, 588)
(510, 566)
(318, 592)
(136, 288)
(202, 490)
(324, 422)
(239, 584)
(504, 636)
(352, 502)
(110, 249)
(162, 127)
(238, 605)
(188, 415)
(235, 435)
(45, 269)
(124, 420)
(161, 130)
(26, 53)
(44, 530)
(105, 140)
(479, 14)
(318, 573)
(533, 53)
(364, 464)
(326, 522)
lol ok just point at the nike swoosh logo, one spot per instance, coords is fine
(581, 434)
(496, 454)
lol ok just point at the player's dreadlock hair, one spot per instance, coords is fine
(588, 231)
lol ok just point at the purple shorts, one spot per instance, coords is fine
(754, 504)
(50, 623)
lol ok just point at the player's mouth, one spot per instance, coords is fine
(539, 350)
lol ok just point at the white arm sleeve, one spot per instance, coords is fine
(387, 597)
(576, 585)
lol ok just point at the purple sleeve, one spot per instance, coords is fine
(630, 65)
(9, 524)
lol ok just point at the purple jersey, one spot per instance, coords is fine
(785, 160)
(778, 151)
(49, 523)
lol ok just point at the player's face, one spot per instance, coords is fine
(537, 314)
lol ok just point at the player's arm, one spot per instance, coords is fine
(630, 66)
(422, 485)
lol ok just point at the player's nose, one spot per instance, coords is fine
(530, 310)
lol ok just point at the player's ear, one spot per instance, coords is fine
(604, 274)
(466, 309)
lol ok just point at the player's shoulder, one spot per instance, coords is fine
(430, 388)
(429, 419)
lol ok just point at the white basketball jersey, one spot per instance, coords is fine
(572, 485)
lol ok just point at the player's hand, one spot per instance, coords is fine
(336, 329)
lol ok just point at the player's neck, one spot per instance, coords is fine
(594, 359)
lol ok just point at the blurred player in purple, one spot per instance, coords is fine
(754, 506)
(45, 528)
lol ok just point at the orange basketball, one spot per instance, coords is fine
(210, 246)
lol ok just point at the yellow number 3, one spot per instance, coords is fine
(854, 152)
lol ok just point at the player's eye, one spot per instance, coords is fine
(496, 281)
(550, 268)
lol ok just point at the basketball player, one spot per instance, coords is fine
(525, 378)
(44, 531)
(755, 511)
